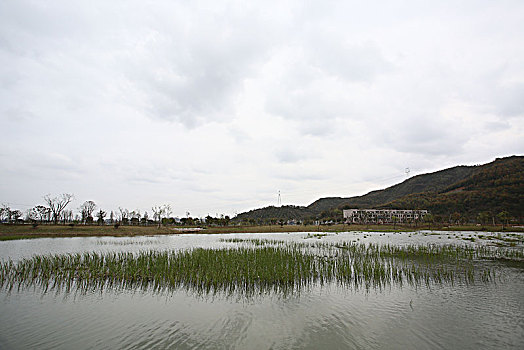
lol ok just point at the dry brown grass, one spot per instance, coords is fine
(8, 232)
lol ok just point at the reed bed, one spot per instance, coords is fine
(259, 266)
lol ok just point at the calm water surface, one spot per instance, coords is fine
(479, 316)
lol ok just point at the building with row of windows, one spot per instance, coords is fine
(382, 216)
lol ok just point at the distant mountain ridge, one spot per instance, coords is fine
(467, 190)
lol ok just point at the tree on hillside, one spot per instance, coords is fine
(58, 204)
(503, 216)
(87, 210)
(429, 219)
(455, 218)
(483, 217)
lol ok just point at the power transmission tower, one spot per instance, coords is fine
(279, 203)
(407, 170)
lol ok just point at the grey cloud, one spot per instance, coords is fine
(359, 62)
(496, 126)
(194, 79)
(57, 162)
(296, 174)
(428, 134)
(42, 165)
(510, 100)
(291, 155)
(19, 114)
(239, 135)
(321, 126)
(151, 173)
(195, 187)
(312, 105)
(319, 84)
(98, 96)
(176, 61)
(148, 179)
(497, 91)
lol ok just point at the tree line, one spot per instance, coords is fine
(56, 210)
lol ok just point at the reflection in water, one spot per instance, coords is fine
(462, 316)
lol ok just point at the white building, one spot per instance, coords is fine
(383, 216)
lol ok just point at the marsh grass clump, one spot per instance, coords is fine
(259, 266)
(253, 241)
(315, 235)
(126, 242)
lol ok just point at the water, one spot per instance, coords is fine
(488, 316)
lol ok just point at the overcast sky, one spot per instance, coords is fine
(215, 106)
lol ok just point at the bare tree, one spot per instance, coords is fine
(161, 211)
(124, 215)
(67, 216)
(157, 214)
(167, 210)
(87, 210)
(58, 204)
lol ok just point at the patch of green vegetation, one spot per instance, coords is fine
(12, 238)
(265, 267)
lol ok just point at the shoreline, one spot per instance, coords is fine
(15, 232)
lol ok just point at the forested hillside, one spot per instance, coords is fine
(432, 182)
(465, 191)
(273, 214)
(494, 187)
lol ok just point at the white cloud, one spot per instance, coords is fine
(215, 106)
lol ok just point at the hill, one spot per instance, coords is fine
(432, 182)
(466, 190)
(494, 187)
(273, 214)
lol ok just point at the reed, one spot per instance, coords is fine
(260, 266)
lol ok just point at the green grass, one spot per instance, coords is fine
(251, 267)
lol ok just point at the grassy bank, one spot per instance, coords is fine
(10, 232)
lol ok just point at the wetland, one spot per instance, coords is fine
(428, 289)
